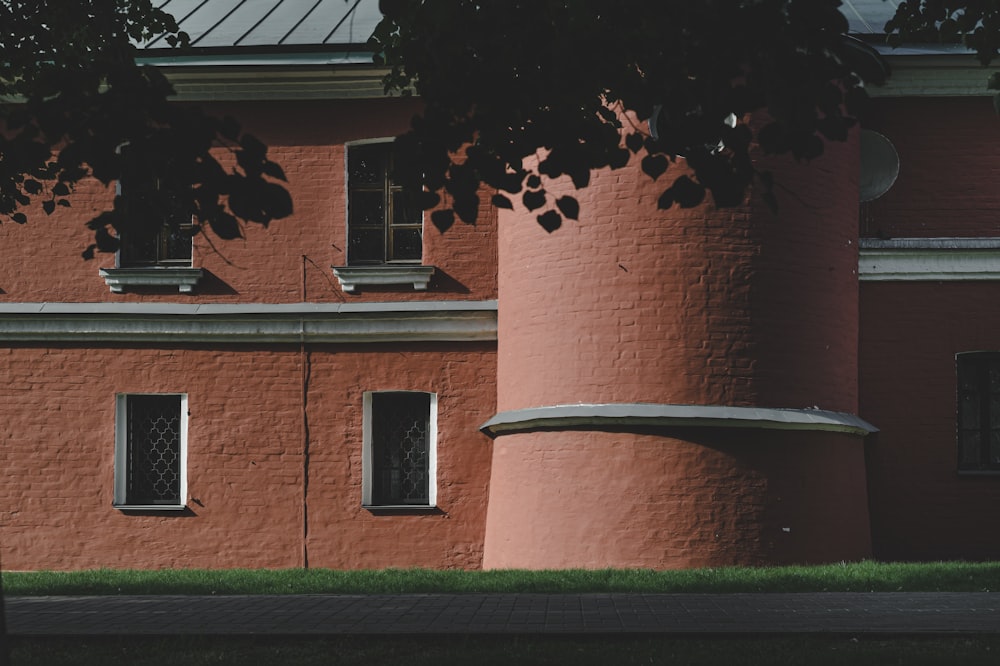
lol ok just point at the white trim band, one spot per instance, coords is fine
(631, 415)
(351, 277)
(432, 321)
(910, 259)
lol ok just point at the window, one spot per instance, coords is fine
(399, 459)
(384, 223)
(979, 412)
(150, 451)
(156, 228)
(158, 232)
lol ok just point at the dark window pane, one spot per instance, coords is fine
(969, 449)
(405, 209)
(366, 245)
(367, 209)
(366, 164)
(406, 244)
(154, 447)
(400, 454)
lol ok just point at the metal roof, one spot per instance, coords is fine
(335, 31)
(285, 24)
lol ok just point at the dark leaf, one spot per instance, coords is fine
(226, 226)
(274, 171)
(666, 199)
(49, 206)
(550, 220)
(534, 200)
(688, 193)
(580, 176)
(60, 189)
(89, 252)
(533, 181)
(634, 141)
(20, 218)
(655, 165)
(569, 207)
(466, 207)
(500, 201)
(32, 186)
(443, 219)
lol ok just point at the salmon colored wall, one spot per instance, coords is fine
(675, 499)
(947, 172)
(245, 457)
(289, 261)
(706, 306)
(920, 507)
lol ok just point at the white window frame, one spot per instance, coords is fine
(401, 272)
(367, 459)
(121, 455)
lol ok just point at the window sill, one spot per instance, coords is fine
(150, 507)
(183, 278)
(400, 508)
(351, 277)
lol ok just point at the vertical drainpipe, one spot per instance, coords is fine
(305, 364)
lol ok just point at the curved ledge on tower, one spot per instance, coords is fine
(632, 415)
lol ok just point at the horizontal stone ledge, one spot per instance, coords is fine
(631, 415)
(456, 321)
(929, 259)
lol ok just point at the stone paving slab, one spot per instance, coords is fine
(419, 614)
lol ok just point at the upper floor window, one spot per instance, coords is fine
(399, 457)
(384, 223)
(979, 412)
(158, 227)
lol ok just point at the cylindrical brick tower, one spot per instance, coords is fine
(678, 388)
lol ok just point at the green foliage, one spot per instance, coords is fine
(73, 97)
(556, 88)
(852, 577)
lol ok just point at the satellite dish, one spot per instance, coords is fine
(879, 165)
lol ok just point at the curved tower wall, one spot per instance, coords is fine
(682, 309)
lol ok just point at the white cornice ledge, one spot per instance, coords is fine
(632, 415)
(934, 75)
(119, 279)
(929, 259)
(430, 321)
(352, 277)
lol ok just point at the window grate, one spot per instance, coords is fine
(979, 411)
(400, 448)
(153, 449)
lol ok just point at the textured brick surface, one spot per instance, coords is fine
(948, 168)
(675, 499)
(921, 507)
(246, 458)
(706, 306)
(287, 262)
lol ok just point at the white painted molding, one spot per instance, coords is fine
(456, 321)
(918, 74)
(119, 279)
(352, 277)
(631, 415)
(929, 259)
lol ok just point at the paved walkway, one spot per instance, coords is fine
(413, 614)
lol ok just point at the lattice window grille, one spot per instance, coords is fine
(400, 441)
(153, 449)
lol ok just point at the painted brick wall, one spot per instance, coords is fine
(673, 499)
(289, 261)
(948, 168)
(708, 306)
(246, 457)
(920, 507)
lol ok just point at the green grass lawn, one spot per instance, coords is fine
(849, 577)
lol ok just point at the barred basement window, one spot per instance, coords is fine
(979, 412)
(384, 223)
(150, 451)
(400, 429)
